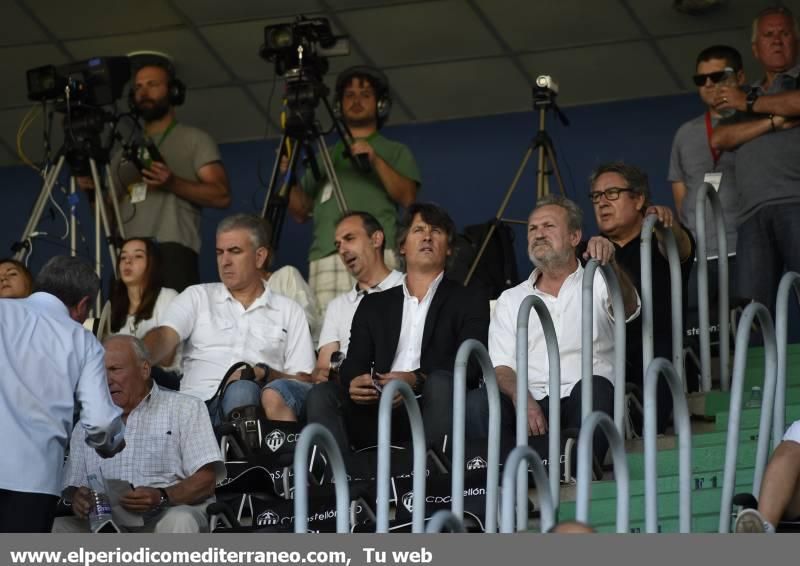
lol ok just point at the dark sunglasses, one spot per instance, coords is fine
(715, 77)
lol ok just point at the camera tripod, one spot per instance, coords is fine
(543, 144)
(301, 132)
(100, 213)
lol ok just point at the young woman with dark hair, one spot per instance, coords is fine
(138, 299)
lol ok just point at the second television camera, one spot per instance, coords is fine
(300, 51)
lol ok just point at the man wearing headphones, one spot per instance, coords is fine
(362, 100)
(163, 200)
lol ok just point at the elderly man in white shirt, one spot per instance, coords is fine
(360, 243)
(240, 320)
(554, 231)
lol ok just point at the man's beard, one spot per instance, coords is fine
(155, 111)
(553, 258)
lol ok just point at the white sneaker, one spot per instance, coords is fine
(751, 521)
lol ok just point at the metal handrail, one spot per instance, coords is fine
(587, 341)
(676, 293)
(444, 519)
(526, 455)
(659, 367)
(391, 389)
(621, 473)
(554, 424)
(753, 311)
(468, 348)
(708, 193)
(315, 432)
(789, 281)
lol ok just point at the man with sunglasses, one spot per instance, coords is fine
(620, 194)
(767, 157)
(693, 159)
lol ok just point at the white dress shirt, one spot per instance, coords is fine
(339, 316)
(409, 346)
(49, 362)
(567, 314)
(288, 281)
(218, 332)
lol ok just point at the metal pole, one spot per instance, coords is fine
(759, 311)
(526, 455)
(587, 341)
(468, 348)
(444, 519)
(554, 423)
(73, 218)
(658, 367)
(331, 173)
(708, 193)
(384, 455)
(789, 280)
(621, 474)
(315, 432)
(676, 287)
(112, 189)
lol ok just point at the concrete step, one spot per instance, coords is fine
(607, 489)
(751, 415)
(713, 402)
(604, 511)
(704, 459)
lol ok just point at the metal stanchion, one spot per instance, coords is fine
(526, 455)
(659, 367)
(467, 348)
(753, 311)
(707, 193)
(789, 281)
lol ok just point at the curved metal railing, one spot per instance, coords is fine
(526, 455)
(315, 432)
(587, 341)
(707, 193)
(676, 294)
(384, 455)
(753, 311)
(444, 519)
(467, 348)
(554, 424)
(659, 367)
(789, 281)
(621, 473)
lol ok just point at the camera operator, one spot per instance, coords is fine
(362, 97)
(163, 200)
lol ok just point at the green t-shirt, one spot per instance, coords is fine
(362, 191)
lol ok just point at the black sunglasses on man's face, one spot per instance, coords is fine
(715, 77)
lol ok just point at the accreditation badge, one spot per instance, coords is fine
(714, 179)
(138, 192)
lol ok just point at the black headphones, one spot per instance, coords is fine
(176, 89)
(379, 82)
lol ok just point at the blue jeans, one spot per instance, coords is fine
(767, 246)
(294, 393)
(241, 393)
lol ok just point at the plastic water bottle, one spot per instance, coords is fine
(728, 80)
(100, 511)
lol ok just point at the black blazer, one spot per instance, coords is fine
(456, 314)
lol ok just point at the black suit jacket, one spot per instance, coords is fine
(456, 314)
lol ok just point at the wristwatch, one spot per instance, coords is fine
(164, 502)
(752, 96)
(265, 368)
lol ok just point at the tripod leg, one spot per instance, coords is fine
(38, 208)
(73, 219)
(542, 186)
(498, 217)
(273, 180)
(551, 157)
(100, 205)
(331, 173)
(112, 191)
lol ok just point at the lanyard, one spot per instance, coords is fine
(714, 152)
(166, 133)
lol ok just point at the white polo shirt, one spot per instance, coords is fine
(339, 316)
(567, 314)
(217, 332)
